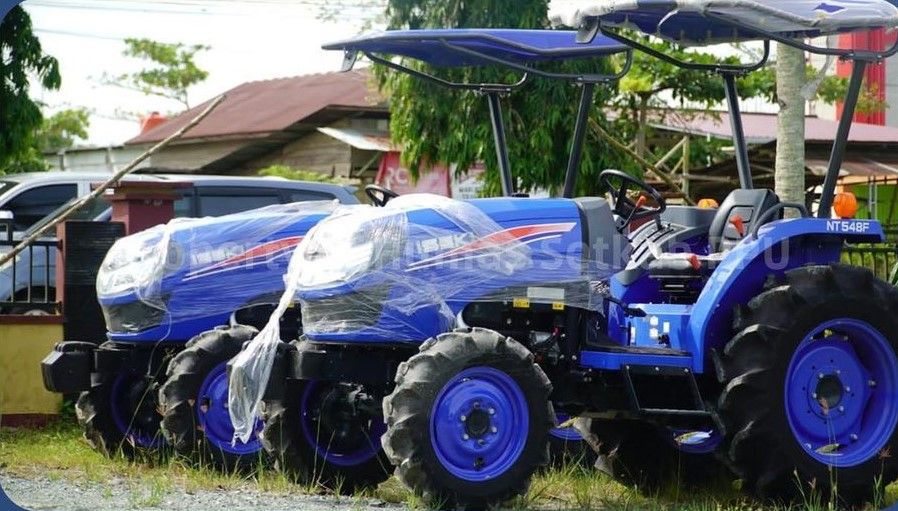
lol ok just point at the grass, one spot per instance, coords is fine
(59, 452)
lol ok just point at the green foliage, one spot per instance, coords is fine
(62, 129)
(435, 124)
(288, 172)
(173, 69)
(21, 57)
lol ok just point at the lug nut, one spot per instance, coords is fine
(853, 437)
(492, 411)
(481, 442)
(463, 418)
(820, 376)
(847, 389)
(841, 408)
(465, 437)
(871, 383)
(476, 405)
(814, 395)
(494, 429)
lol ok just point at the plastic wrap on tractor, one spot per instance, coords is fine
(193, 255)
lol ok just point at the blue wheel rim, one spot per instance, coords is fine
(840, 392)
(569, 434)
(214, 418)
(363, 447)
(124, 421)
(487, 449)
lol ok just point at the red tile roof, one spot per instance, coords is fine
(267, 106)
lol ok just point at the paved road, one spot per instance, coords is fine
(116, 495)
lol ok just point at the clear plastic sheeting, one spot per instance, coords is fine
(404, 272)
(195, 268)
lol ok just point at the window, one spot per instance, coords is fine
(224, 201)
(306, 195)
(31, 205)
(184, 207)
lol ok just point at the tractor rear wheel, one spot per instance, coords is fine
(468, 422)
(641, 455)
(327, 434)
(119, 416)
(194, 400)
(810, 384)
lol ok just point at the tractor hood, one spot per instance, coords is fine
(410, 266)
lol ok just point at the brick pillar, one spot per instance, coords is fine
(141, 205)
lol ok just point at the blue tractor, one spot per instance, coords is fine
(179, 302)
(701, 340)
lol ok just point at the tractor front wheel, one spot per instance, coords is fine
(194, 401)
(810, 384)
(119, 416)
(468, 422)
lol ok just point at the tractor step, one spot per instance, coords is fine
(614, 358)
(698, 403)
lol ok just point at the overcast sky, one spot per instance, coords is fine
(250, 39)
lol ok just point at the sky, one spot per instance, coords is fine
(250, 40)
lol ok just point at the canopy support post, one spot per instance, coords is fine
(739, 144)
(501, 144)
(573, 163)
(838, 152)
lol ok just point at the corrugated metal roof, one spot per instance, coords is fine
(268, 106)
(365, 140)
(761, 128)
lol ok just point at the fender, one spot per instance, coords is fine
(779, 247)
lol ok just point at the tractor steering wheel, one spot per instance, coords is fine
(628, 210)
(379, 195)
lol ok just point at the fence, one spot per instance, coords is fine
(880, 258)
(28, 282)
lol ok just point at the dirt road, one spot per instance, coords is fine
(115, 495)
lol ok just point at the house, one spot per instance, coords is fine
(332, 123)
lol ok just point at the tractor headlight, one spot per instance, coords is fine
(341, 248)
(133, 263)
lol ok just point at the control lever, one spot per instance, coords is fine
(633, 312)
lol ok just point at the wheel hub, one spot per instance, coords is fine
(215, 419)
(479, 424)
(339, 430)
(133, 401)
(834, 405)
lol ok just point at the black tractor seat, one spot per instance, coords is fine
(732, 223)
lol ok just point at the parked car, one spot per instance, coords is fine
(29, 198)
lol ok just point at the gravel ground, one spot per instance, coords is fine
(50, 494)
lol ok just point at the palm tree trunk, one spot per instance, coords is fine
(790, 142)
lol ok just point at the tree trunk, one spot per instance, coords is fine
(790, 143)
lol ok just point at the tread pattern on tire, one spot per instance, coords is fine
(752, 368)
(408, 408)
(177, 396)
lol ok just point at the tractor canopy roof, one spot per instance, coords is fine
(476, 47)
(699, 22)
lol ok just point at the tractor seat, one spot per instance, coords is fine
(732, 222)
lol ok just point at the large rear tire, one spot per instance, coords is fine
(640, 455)
(810, 384)
(314, 435)
(469, 419)
(194, 401)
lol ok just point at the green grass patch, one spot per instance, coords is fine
(59, 452)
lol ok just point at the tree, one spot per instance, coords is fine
(790, 79)
(289, 172)
(172, 73)
(62, 129)
(21, 56)
(435, 124)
